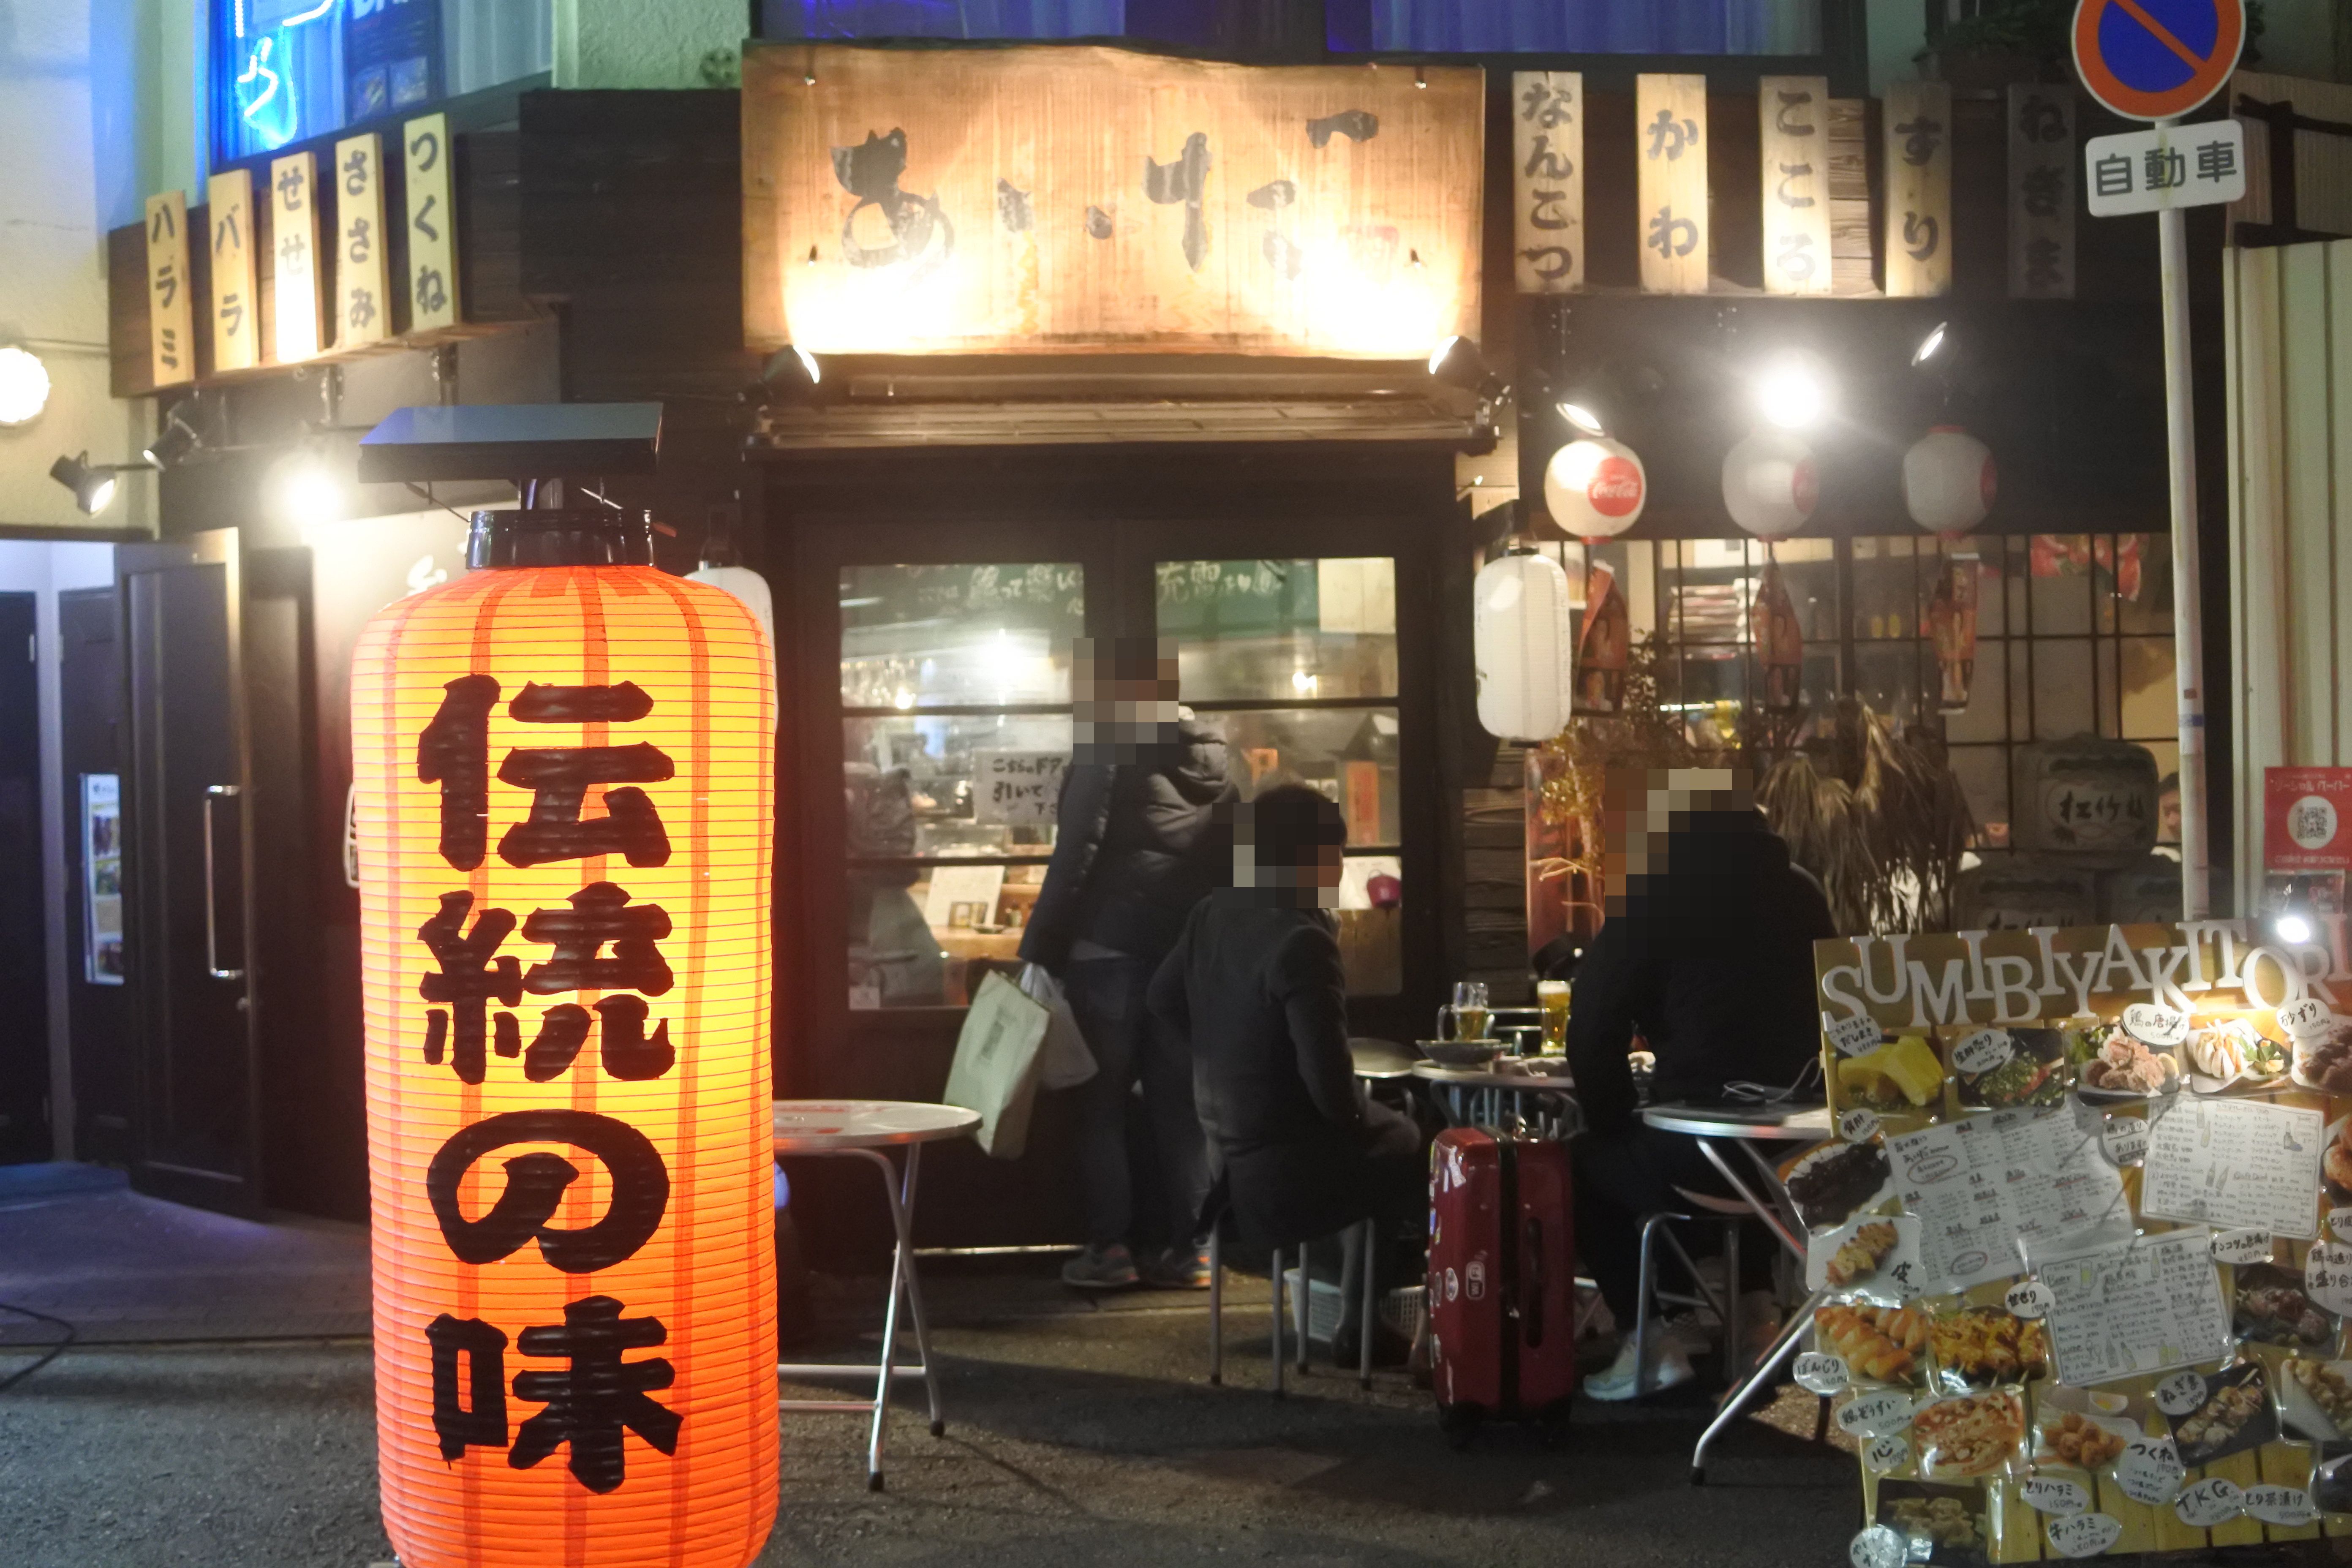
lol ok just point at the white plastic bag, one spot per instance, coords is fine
(996, 1062)
(1065, 1060)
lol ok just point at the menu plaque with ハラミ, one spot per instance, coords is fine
(2146, 1305)
(2237, 1163)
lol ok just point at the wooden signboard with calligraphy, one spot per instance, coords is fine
(1547, 242)
(1793, 123)
(2041, 192)
(1095, 200)
(294, 242)
(236, 310)
(361, 302)
(171, 311)
(1670, 154)
(1918, 250)
(432, 225)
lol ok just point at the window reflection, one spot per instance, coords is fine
(956, 683)
(1295, 661)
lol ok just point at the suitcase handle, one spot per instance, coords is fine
(1531, 1283)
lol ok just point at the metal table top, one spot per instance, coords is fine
(1803, 1124)
(817, 1126)
(1483, 1078)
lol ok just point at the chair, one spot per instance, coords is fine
(1731, 1212)
(1298, 1306)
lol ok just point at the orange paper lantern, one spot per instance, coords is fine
(564, 772)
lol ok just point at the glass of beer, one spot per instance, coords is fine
(1470, 1011)
(1551, 996)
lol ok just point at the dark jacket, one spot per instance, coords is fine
(1257, 989)
(1136, 847)
(1712, 962)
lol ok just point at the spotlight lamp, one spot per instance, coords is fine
(1792, 392)
(171, 443)
(1457, 363)
(790, 374)
(1580, 414)
(1931, 345)
(94, 484)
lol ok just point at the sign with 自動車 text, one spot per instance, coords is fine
(1017, 789)
(2165, 166)
(1076, 199)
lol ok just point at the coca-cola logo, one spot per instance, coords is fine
(1804, 486)
(1616, 487)
(1988, 481)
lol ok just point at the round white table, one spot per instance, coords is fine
(1376, 1059)
(869, 1130)
(1748, 1127)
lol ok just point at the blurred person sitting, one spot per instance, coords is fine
(1255, 984)
(1135, 847)
(1707, 954)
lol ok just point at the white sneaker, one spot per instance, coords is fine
(1669, 1366)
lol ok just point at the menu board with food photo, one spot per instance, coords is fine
(2082, 1275)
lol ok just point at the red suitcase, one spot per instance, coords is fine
(1502, 1280)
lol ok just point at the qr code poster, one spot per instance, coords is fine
(2308, 819)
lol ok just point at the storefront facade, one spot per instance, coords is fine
(1057, 452)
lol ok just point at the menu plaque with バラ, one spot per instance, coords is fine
(2141, 1306)
(1983, 1186)
(2240, 1165)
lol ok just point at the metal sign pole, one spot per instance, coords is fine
(2187, 598)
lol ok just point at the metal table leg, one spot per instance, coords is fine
(1299, 1304)
(1763, 1211)
(899, 1194)
(1782, 1347)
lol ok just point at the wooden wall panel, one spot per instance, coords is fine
(1853, 266)
(1168, 204)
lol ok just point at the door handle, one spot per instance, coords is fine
(212, 903)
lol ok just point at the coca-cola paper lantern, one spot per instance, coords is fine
(1770, 484)
(1523, 643)
(1949, 481)
(1595, 488)
(564, 808)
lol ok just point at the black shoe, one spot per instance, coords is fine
(1388, 1348)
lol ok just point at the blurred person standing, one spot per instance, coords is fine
(1135, 847)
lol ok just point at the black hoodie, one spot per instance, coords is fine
(1135, 848)
(1712, 960)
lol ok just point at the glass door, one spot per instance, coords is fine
(1295, 660)
(955, 719)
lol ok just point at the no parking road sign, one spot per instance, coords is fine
(2156, 59)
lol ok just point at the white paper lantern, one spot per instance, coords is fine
(1770, 484)
(1523, 644)
(1595, 487)
(1949, 481)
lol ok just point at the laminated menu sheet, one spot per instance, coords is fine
(2140, 1306)
(2236, 1163)
(1984, 1187)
